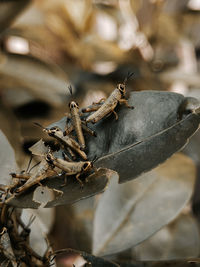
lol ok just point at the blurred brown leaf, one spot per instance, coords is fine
(9, 10)
(137, 209)
(179, 240)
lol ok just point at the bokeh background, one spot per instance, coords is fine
(45, 46)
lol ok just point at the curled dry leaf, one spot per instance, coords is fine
(39, 149)
(136, 210)
(9, 10)
(178, 240)
(44, 81)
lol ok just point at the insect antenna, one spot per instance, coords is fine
(43, 128)
(29, 163)
(34, 166)
(70, 89)
(129, 74)
(94, 159)
(39, 125)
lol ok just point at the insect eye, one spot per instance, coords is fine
(85, 166)
(121, 87)
(55, 129)
(48, 158)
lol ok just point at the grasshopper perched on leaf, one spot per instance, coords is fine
(65, 140)
(19, 178)
(76, 121)
(70, 168)
(44, 170)
(108, 106)
(77, 124)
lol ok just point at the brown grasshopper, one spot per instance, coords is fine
(107, 107)
(76, 121)
(44, 170)
(19, 178)
(70, 168)
(65, 140)
(77, 124)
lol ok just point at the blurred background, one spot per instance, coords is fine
(91, 44)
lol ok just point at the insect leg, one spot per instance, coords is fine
(72, 154)
(115, 113)
(91, 108)
(68, 129)
(88, 130)
(66, 157)
(100, 101)
(125, 102)
(24, 176)
(79, 180)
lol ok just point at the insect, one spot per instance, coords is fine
(67, 141)
(76, 121)
(19, 177)
(77, 124)
(6, 247)
(44, 170)
(107, 107)
(70, 168)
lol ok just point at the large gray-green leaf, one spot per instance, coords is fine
(130, 213)
(138, 141)
(143, 137)
(178, 240)
(9, 10)
(44, 81)
(7, 160)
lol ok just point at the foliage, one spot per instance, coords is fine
(145, 212)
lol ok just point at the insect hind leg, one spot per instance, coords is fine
(125, 102)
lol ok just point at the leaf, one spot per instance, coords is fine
(173, 263)
(178, 240)
(7, 160)
(39, 148)
(9, 10)
(143, 137)
(91, 260)
(138, 141)
(130, 213)
(67, 194)
(44, 81)
(11, 128)
(192, 149)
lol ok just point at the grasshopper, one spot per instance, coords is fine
(23, 175)
(70, 168)
(65, 140)
(77, 124)
(6, 247)
(107, 107)
(44, 170)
